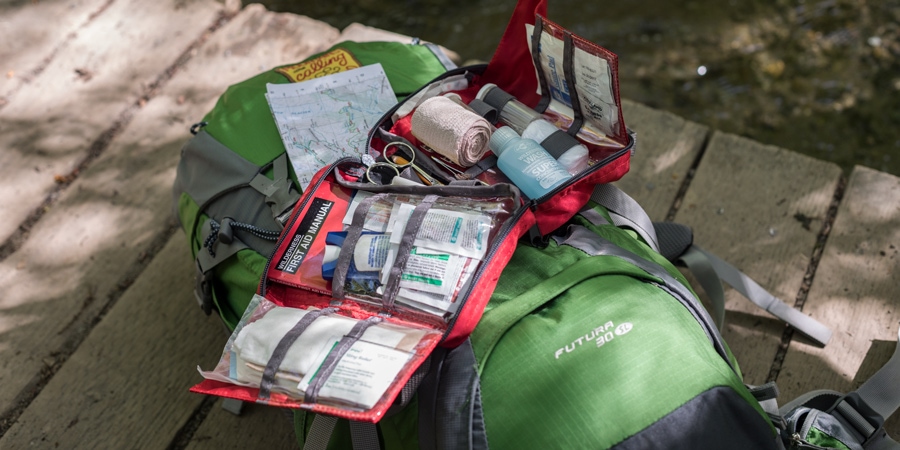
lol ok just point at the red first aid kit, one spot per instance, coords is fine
(386, 257)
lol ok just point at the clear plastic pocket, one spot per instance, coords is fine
(393, 252)
(321, 357)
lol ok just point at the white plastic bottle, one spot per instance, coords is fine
(570, 153)
(526, 163)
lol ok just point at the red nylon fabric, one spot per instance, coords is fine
(510, 67)
(248, 394)
(556, 211)
(469, 316)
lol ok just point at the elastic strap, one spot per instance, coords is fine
(485, 110)
(558, 143)
(406, 245)
(481, 166)
(354, 231)
(536, 59)
(334, 357)
(281, 349)
(569, 72)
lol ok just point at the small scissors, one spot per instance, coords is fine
(401, 155)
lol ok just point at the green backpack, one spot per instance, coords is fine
(592, 341)
(595, 340)
(592, 338)
(234, 187)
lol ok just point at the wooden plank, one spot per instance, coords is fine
(54, 120)
(28, 40)
(855, 291)
(749, 203)
(127, 384)
(667, 147)
(258, 426)
(95, 236)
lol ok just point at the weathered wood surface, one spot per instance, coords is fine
(126, 386)
(743, 204)
(667, 147)
(99, 332)
(28, 41)
(855, 292)
(58, 121)
(95, 239)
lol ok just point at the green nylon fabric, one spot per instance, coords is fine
(242, 272)
(242, 121)
(653, 358)
(615, 353)
(639, 248)
(187, 211)
(823, 439)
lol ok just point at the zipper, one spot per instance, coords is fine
(797, 443)
(479, 68)
(297, 207)
(501, 236)
(618, 154)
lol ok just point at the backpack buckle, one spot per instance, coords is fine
(203, 290)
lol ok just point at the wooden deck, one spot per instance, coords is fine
(99, 331)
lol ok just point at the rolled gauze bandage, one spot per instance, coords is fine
(451, 130)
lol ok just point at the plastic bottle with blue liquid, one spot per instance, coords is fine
(526, 163)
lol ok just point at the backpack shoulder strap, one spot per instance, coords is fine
(675, 242)
(626, 212)
(694, 256)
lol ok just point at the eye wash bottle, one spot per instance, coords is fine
(526, 163)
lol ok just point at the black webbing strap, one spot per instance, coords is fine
(485, 110)
(320, 432)
(481, 166)
(364, 435)
(558, 143)
(536, 59)
(569, 72)
(497, 98)
(281, 349)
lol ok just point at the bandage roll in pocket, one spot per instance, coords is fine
(451, 130)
